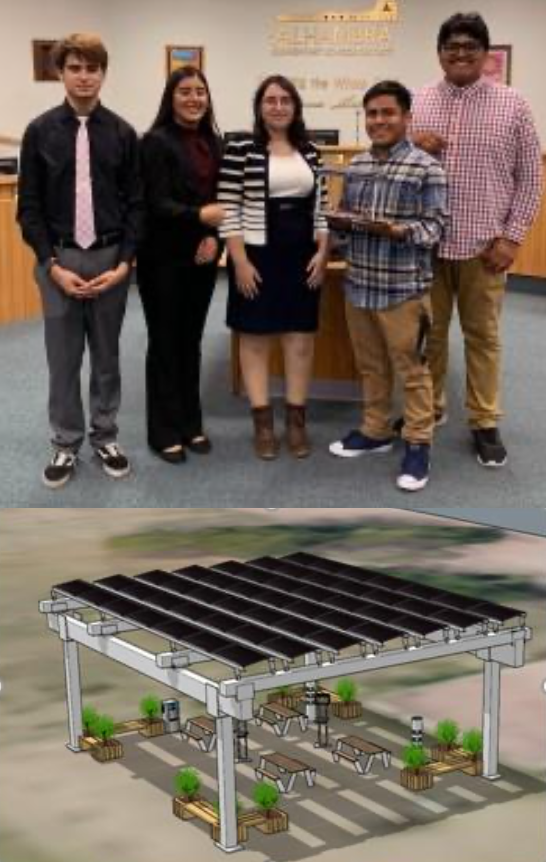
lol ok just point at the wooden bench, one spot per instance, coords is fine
(204, 811)
(454, 761)
(361, 753)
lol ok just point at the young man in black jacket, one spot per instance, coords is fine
(79, 210)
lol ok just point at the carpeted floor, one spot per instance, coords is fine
(232, 476)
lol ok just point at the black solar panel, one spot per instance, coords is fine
(161, 624)
(211, 617)
(240, 613)
(476, 607)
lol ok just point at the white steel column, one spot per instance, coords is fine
(227, 790)
(491, 719)
(73, 687)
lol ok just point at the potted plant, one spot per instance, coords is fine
(266, 797)
(187, 784)
(447, 733)
(347, 706)
(108, 748)
(89, 720)
(472, 745)
(150, 709)
(414, 776)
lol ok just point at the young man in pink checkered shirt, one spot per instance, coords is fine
(484, 135)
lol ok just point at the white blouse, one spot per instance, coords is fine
(290, 176)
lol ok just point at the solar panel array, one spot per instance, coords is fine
(271, 608)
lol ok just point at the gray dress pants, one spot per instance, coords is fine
(70, 324)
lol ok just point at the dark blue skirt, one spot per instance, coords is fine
(285, 302)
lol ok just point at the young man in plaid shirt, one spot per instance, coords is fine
(400, 191)
(484, 135)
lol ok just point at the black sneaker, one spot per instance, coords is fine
(114, 461)
(60, 469)
(490, 449)
(356, 443)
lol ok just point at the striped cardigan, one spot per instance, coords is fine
(243, 190)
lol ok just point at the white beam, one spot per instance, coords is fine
(184, 681)
(101, 628)
(73, 686)
(227, 790)
(388, 658)
(491, 718)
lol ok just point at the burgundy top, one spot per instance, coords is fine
(202, 160)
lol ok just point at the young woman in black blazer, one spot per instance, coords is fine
(177, 261)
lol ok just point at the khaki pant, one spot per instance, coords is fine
(478, 295)
(386, 343)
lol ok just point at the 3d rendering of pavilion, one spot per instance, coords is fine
(303, 618)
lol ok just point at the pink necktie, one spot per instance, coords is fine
(84, 230)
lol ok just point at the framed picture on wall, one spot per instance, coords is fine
(44, 69)
(178, 56)
(498, 65)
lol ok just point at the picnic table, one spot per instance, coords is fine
(284, 770)
(360, 753)
(280, 717)
(202, 730)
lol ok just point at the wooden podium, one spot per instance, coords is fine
(19, 297)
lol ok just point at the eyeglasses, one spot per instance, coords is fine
(469, 47)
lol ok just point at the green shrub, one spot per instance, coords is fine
(473, 742)
(187, 783)
(150, 707)
(447, 732)
(414, 757)
(265, 796)
(104, 727)
(346, 690)
(89, 718)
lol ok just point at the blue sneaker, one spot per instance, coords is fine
(415, 470)
(356, 443)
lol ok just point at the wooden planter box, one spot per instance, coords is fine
(106, 752)
(152, 728)
(352, 709)
(276, 821)
(416, 781)
(290, 700)
(442, 752)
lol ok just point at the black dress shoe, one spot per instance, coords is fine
(490, 449)
(201, 444)
(177, 456)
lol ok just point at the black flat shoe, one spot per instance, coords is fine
(178, 456)
(201, 444)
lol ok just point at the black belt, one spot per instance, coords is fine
(103, 241)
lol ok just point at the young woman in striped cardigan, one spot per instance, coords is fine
(277, 239)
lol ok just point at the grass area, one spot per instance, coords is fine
(489, 587)
(275, 539)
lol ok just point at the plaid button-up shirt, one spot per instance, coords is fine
(493, 162)
(409, 188)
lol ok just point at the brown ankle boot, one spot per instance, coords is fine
(296, 434)
(266, 444)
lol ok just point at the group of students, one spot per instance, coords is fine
(430, 216)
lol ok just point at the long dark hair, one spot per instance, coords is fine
(296, 132)
(165, 115)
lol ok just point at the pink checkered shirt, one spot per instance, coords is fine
(493, 162)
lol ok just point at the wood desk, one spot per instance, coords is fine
(279, 717)
(361, 753)
(284, 770)
(19, 297)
